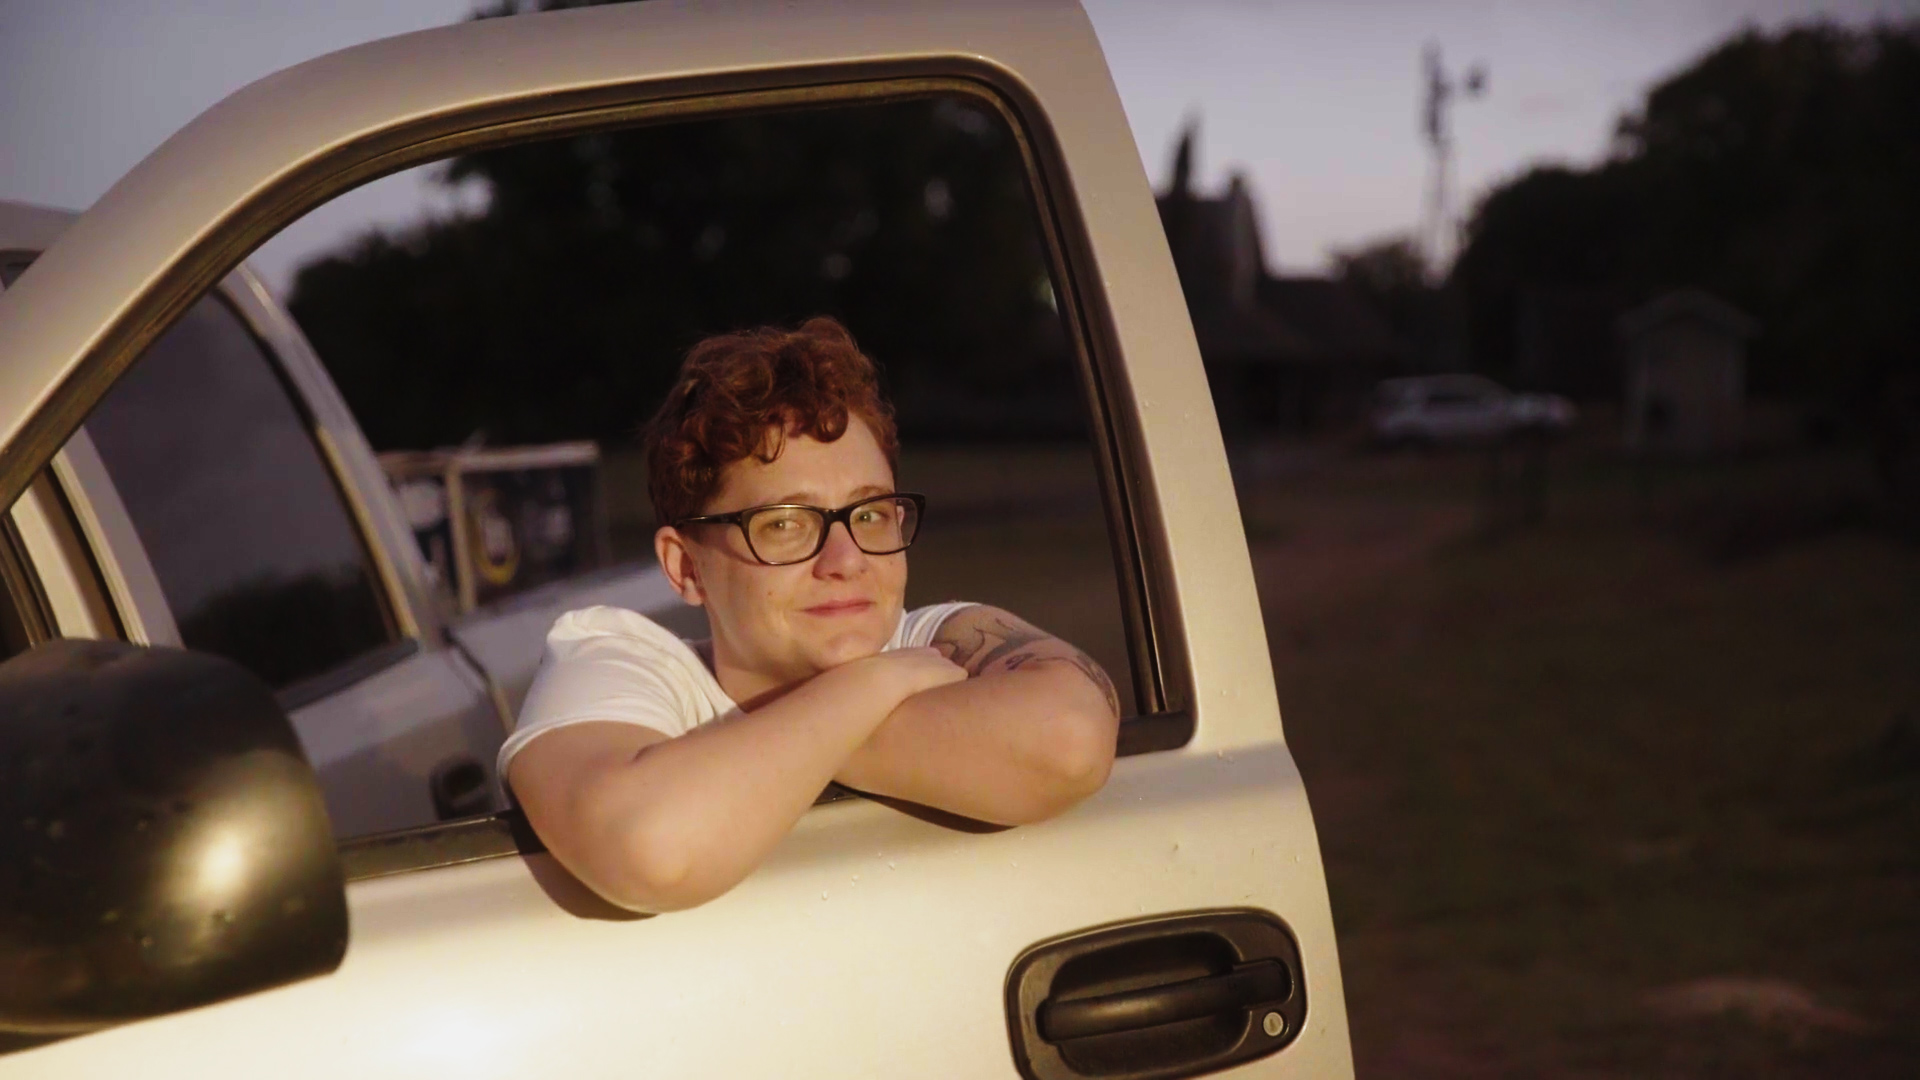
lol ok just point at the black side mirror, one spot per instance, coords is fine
(163, 841)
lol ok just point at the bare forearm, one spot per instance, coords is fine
(685, 819)
(1010, 748)
(711, 804)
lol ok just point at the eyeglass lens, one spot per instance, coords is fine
(783, 534)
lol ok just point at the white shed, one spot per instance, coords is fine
(1686, 360)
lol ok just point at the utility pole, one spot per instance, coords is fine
(1438, 232)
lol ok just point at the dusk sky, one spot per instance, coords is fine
(1317, 101)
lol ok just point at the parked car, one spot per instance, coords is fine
(198, 873)
(1438, 410)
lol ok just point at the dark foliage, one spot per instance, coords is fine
(1394, 277)
(563, 309)
(1778, 172)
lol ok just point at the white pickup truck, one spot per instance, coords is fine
(287, 862)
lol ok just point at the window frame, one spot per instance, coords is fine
(1163, 682)
(56, 544)
(60, 536)
(26, 597)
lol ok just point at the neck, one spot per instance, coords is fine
(749, 687)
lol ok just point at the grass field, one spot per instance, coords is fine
(1631, 791)
(1634, 792)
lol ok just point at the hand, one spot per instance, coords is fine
(909, 671)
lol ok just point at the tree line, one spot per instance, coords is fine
(1779, 171)
(562, 309)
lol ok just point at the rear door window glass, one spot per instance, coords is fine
(235, 504)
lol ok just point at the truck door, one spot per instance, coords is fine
(1175, 924)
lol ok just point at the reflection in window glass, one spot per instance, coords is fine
(236, 508)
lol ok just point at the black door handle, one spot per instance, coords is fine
(1266, 980)
(1156, 999)
(458, 786)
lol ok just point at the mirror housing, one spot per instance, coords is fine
(163, 841)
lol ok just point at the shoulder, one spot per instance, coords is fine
(974, 619)
(919, 627)
(981, 635)
(608, 663)
(588, 646)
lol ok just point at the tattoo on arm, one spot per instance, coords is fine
(1080, 662)
(978, 643)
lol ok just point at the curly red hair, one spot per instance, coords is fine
(743, 394)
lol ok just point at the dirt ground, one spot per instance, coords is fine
(1619, 780)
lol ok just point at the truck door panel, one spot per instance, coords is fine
(378, 743)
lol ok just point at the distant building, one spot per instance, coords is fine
(1685, 358)
(1281, 352)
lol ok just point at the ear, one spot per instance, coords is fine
(676, 560)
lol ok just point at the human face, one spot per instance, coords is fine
(775, 625)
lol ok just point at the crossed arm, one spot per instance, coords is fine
(1028, 734)
(1012, 726)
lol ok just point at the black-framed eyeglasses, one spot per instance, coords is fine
(787, 533)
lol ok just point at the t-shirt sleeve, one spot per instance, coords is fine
(604, 664)
(917, 627)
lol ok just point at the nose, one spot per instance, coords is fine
(840, 557)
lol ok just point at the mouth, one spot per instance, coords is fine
(839, 607)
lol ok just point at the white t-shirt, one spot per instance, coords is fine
(608, 663)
